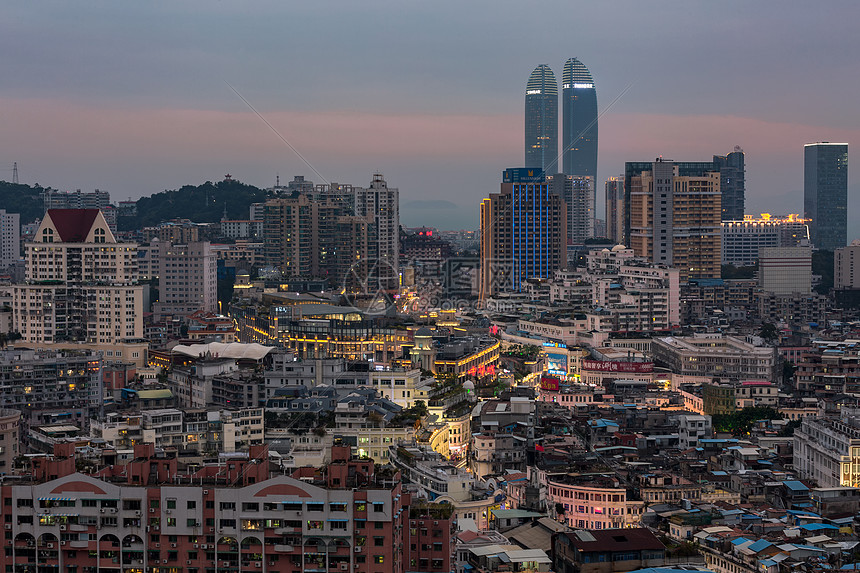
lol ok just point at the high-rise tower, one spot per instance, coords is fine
(579, 118)
(825, 193)
(541, 129)
(732, 183)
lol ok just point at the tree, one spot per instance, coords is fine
(740, 422)
(768, 331)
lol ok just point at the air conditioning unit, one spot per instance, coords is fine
(50, 546)
(151, 510)
(205, 492)
(173, 545)
(188, 562)
(147, 528)
(211, 530)
(140, 561)
(358, 548)
(257, 565)
(167, 512)
(164, 561)
(137, 513)
(196, 546)
(8, 526)
(102, 510)
(157, 545)
(62, 542)
(344, 566)
(226, 564)
(113, 510)
(62, 528)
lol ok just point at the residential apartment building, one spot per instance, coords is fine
(715, 355)
(785, 270)
(591, 502)
(187, 277)
(80, 284)
(615, 209)
(577, 191)
(231, 516)
(50, 386)
(10, 238)
(675, 219)
(827, 451)
(844, 274)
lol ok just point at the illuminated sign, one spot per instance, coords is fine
(582, 86)
(566, 86)
(609, 366)
(532, 92)
(549, 383)
(555, 344)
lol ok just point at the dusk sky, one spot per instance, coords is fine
(132, 97)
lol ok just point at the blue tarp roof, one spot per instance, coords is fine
(760, 545)
(817, 526)
(739, 540)
(794, 485)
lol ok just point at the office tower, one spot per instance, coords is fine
(579, 117)
(615, 209)
(541, 126)
(675, 220)
(732, 183)
(187, 277)
(523, 236)
(741, 240)
(10, 238)
(80, 283)
(825, 193)
(578, 195)
(785, 270)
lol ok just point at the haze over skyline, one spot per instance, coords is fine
(133, 99)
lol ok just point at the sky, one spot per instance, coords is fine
(135, 97)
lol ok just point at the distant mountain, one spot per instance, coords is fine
(23, 199)
(202, 204)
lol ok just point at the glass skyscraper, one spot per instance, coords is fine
(825, 193)
(579, 118)
(541, 119)
(732, 184)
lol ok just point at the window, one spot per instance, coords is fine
(378, 507)
(191, 505)
(171, 504)
(379, 542)
(378, 558)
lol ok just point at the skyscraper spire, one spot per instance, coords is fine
(541, 119)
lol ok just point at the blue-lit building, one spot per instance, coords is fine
(541, 119)
(825, 193)
(523, 235)
(579, 118)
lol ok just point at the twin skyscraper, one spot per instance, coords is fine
(579, 121)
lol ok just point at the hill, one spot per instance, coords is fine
(23, 199)
(202, 204)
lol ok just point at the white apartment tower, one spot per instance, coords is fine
(80, 283)
(380, 204)
(187, 277)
